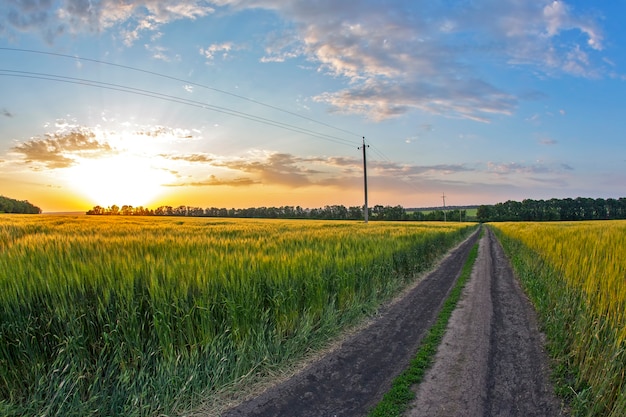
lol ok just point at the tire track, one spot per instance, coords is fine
(518, 379)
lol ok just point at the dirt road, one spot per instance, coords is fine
(491, 360)
(490, 364)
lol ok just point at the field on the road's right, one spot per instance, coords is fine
(575, 274)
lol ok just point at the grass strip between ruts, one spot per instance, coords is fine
(397, 399)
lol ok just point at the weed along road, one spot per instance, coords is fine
(490, 362)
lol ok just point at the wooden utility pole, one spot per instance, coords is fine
(365, 209)
(443, 196)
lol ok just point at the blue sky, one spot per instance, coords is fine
(235, 103)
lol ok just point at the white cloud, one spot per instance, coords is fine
(547, 141)
(55, 18)
(220, 49)
(161, 53)
(560, 18)
(397, 57)
(527, 170)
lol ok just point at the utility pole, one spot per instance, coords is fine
(365, 210)
(443, 196)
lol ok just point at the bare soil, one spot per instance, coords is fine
(490, 363)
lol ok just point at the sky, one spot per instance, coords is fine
(250, 103)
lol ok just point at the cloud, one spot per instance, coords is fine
(131, 18)
(58, 150)
(276, 168)
(559, 18)
(515, 168)
(397, 56)
(548, 141)
(159, 131)
(221, 49)
(213, 181)
(201, 158)
(161, 53)
(6, 113)
(379, 100)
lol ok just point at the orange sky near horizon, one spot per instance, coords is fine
(236, 104)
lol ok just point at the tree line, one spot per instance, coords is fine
(330, 212)
(566, 209)
(527, 210)
(10, 205)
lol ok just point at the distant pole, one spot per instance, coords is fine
(365, 210)
(444, 206)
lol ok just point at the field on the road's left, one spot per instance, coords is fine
(140, 316)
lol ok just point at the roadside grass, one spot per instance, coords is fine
(397, 399)
(573, 272)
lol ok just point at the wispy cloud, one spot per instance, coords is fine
(222, 50)
(164, 131)
(275, 168)
(397, 60)
(283, 169)
(70, 143)
(53, 19)
(161, 53)
(516, 168)
(547, 141)
(6, 113)
(59, 150)
(393, 57)
(197, 157)
(213, 181)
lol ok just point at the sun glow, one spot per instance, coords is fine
(121, 179)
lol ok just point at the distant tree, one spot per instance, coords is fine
(180, 211)
(484, 213)
(195, 211)
(10, 205)
(142, 211)
(355, 213)
(96, 210)
(554, 209)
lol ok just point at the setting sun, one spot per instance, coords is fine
(119, 179)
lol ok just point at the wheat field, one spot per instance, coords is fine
(142, 316)
(575, 272)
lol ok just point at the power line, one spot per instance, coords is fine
(158, 74)
(173, 99)
(384, 157)
(379, 152)
(188, 102)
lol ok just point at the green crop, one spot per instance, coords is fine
(145, 316)
(575, 273)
